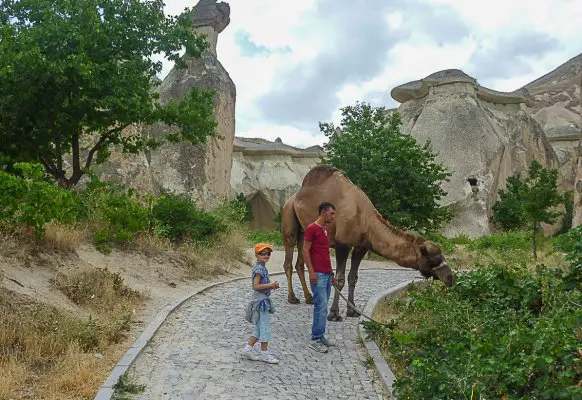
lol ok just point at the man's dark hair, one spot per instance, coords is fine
(326, 205)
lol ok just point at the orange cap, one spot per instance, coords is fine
(262, 246)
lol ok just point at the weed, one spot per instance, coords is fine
(127, 385)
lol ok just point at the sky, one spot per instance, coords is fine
(295, 63)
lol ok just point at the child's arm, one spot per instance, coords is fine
(261, 286)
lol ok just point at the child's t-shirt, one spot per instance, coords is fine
(264, 273)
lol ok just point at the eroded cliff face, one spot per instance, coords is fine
(555, 103)
(202, 171)
(268, 173)
(577, 208)
(482, 136)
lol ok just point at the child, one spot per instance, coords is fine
(260, 308)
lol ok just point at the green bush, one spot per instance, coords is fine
(32, 201)
(571, 244)
(273, 237)
(498, 333)
(502, 242)
(184, 221)
(119, 210)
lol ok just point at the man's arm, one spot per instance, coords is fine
(307, 260)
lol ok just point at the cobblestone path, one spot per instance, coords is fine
(196, 352)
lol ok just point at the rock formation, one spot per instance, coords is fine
(555, 104)
(203, 171)
(268, 173)
(481, 135)
(577, 218)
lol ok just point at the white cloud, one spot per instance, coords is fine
(424, 44)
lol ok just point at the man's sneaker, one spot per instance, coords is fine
(318, 346)
(251, 355)
(327, 342)
(268, 358)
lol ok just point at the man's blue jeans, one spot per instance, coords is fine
(321, 291)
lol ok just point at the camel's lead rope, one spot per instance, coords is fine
(353, 306)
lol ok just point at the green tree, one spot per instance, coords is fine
(75, 74)
(399, 176)
(527, 202)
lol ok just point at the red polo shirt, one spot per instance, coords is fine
(319, 251)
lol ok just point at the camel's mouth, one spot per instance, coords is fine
(444, 273)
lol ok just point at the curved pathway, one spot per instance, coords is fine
(195, 354)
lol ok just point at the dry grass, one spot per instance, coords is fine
(49, 354)
(150, 244)
(63, 237)
(216, 258)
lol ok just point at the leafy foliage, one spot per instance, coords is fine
(75, 74)
(33, 201)
(119, 210)
(506, 241)
(273, 237)
(526, 202)
(241, 201)
(498, 333)
(571, 244)
(399, 176)
(183, 220)
(114, 213)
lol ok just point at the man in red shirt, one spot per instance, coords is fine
(316, 256)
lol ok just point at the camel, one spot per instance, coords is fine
(358, 226)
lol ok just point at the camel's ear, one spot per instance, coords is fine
(423, 250)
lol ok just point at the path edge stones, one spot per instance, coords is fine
(380, 365)
(106, 390)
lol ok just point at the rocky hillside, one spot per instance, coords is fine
(555, 104)
(268, 173)
(483, 136)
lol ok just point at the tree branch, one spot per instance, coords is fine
(102, 140)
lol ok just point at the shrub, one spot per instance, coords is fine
(117, 213)
(32, 201)
(502, 242)
(184, 221)
(273, 237)
(498, 333)
(571, 244)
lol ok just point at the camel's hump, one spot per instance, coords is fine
(318, 174)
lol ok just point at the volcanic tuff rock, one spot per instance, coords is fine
(268, 173)
(555, 104)
(483, 136)
(577, 218)
(202, 171)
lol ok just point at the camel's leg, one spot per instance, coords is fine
(341, 257)
(300, 268)
(357, 257)
(288, 266)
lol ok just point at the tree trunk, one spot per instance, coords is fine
(533, 241)
(59, 174)
(77, 172)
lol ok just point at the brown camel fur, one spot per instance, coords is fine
(357, 226)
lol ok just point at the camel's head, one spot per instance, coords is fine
(432, 263)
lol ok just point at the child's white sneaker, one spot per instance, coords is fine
(250, 354)
(268, 358)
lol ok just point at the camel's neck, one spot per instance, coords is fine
(393, 244)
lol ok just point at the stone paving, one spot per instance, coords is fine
(195, 354)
